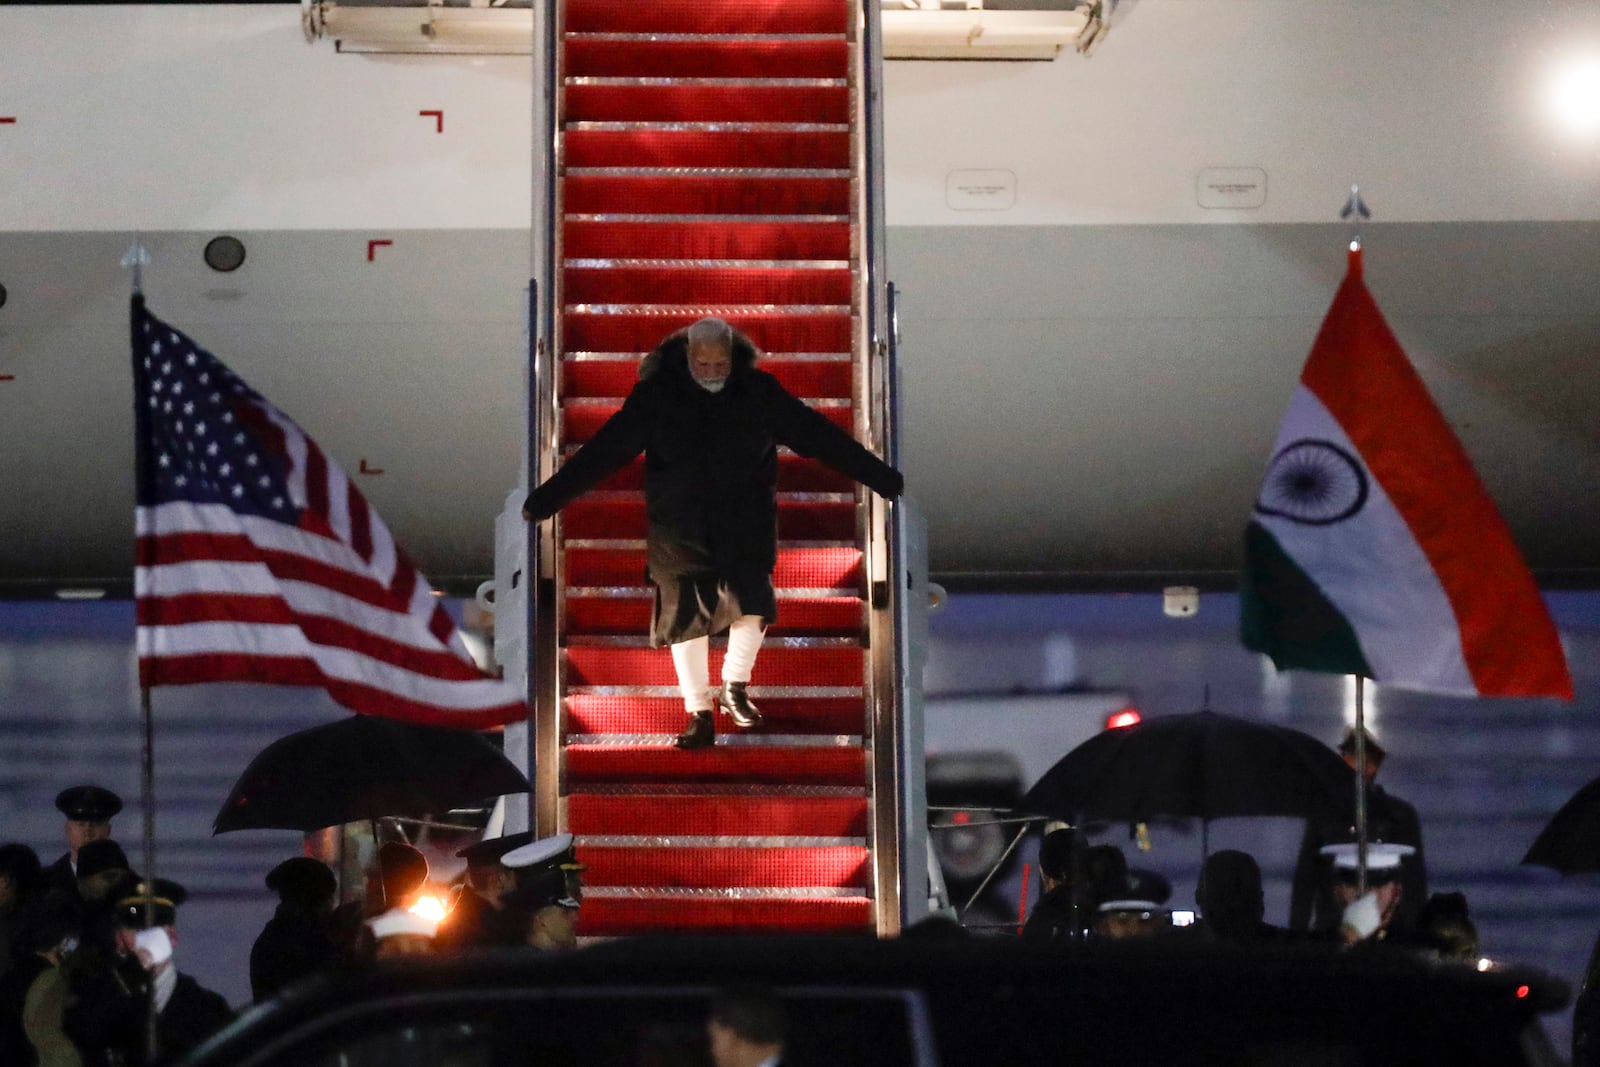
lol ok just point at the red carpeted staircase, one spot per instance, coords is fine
(705, 154)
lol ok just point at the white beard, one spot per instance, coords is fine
(711, 385)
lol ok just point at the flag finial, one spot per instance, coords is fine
(1355, 210)
(136, 257)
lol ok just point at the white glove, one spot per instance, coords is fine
(1363, 916)
(153, 947)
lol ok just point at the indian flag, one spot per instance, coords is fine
(1375, 549)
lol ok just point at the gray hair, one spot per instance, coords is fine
(712, 331)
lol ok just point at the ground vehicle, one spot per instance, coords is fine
(950, 1001)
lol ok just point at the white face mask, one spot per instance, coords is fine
(711, 385)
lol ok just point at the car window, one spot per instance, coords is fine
(577, 1028)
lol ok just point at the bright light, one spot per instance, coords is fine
(1575, 97)
(1485, 963)
(430, 908)
(1125, 717)
(1522, 991)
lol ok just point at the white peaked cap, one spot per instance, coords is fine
(535, 852)
(1380, 856)
(399, 921)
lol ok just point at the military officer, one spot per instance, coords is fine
(479, 918)
(89, 810)
(548, 891)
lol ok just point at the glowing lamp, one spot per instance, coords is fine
(430, 908)
(1125, 717)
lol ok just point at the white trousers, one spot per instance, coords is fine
(692, 660)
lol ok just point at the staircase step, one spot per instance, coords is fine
(726, 868)
(699, 285)
(774, 765)
(785, 149)
(623, 916)
(656, 102)
(783, 662)
(697, 16)
(581, 418)
(748, 57)
(609, 195)
(834, 379)
(771, 331)
(804, 568)
(714, 815)
(626, 715)
(706, 240)
(811, 616)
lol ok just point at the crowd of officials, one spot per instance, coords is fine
(87, 945)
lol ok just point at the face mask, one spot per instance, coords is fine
(711, 385)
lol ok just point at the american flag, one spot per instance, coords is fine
(259, 561)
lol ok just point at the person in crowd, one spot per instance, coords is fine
(548, 911)
(21, 879)
(548, 893)
(400, 933)
(709, 423)
(1375, 915)
(102, 868)
(1107, 870)
(88, 810)
(1312, 903)
(401, 873)
(33, 994)
(1232, 905)
(1066, 908)
(479, 918)
(147, 931)
(1444, 929)
(1135, 909)
(297, 941)
(746, 1028)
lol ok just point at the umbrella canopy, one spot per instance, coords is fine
(364, 767)
(1203, 765)
(1570, 841)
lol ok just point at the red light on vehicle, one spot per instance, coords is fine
(961, 818)
(1522, 991)
(1125, 717)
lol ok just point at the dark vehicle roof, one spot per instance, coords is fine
(991, 1001)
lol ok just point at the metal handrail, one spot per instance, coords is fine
(885, 551)
(543, 644)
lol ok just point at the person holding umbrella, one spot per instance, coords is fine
(1313, 903)
(709, 424)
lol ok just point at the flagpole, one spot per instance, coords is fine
(136, 258)
(148, 801)
(1361, 785)
(1355, 210)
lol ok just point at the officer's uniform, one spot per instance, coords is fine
(548, 875)
(474, 922)
(81, 803)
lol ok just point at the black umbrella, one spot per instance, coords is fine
(1570, 841)
(365, 767)
(1203, 765)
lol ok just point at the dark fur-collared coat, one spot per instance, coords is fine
(711, 471)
